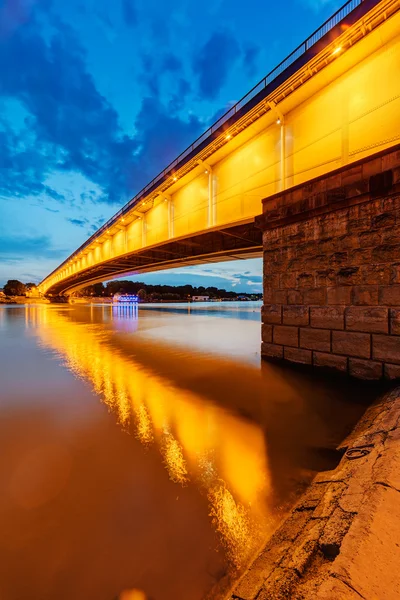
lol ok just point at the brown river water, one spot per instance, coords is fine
(147, 453)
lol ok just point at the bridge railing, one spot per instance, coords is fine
(334, 20)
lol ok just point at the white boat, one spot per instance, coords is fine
(125, 299)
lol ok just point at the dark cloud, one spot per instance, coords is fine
(245, 277)
(40, 204)
(90, 196)
(149, 76)
(162, 136)
(104, 18)
(73, 127)
(78, 222)
(24, 164)
(95, 225)
(85, 223)
(171, 63)
(129, 12)
(250, 56)
(179, 98)
(17, 248)
(156, 78)
(12, 14)
(214, 61)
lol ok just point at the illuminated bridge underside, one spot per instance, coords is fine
(337, 102)
(234, 243)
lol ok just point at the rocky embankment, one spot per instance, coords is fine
(342, 539)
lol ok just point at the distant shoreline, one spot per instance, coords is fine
(10, 300)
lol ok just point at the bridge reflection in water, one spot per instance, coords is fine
(199, 443)
(241, 439)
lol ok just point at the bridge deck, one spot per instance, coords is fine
(334, 101)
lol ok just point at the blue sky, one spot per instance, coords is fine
(98, 96)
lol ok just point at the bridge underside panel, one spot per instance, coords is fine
(239, 242)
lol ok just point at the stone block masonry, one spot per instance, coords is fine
(331, 251)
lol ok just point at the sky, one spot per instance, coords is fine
(98, 96)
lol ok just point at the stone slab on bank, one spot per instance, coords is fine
(342, 539)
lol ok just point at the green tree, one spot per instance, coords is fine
(142, 295)
(14, 287)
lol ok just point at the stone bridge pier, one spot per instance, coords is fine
(331, 252)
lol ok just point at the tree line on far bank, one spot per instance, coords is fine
(145, 291)
(13, 287)
(159, 292)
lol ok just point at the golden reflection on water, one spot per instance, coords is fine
(132, 595)
(200, 444)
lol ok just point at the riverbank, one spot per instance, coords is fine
(22, 300)
(342, 539)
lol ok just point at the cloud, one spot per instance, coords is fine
(213, 62)
(250, 56)
(129, 12)
(221, 275)
(318, 5)
(12, 14)
(85, 223)
(90, 196)
(40, 205)
(196, 278)
(162, 135)
(171, 63)
(95, 225)
(70, 127)
(163, 78)
(17, 248)
(29, 277)
(23, 164)
(78, 222)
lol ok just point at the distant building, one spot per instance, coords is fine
(200, 298)
(1, 292)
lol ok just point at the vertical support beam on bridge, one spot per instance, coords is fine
(280, 120)
(125, 240)
(210, 196)
(110, 238)
(283, 155)
(144, 230)
(210, 206)
(213, 199)
(170, 217)
(170, 212)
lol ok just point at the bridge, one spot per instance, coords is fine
(315, 136)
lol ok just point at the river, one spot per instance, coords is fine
(148, 454)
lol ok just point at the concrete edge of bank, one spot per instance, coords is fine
(342, 538)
